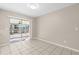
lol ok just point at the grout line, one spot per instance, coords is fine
(62, 51)
(53, 50)
(43, 50)
(71, 52)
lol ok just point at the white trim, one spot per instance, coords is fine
(4, 44)
(73, 49)
(30, 29)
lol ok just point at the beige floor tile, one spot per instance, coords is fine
(75, 53)
(34, 47)
(57, 51)
(45, 53)
(66, 52)
(35, 53)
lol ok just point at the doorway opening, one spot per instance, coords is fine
(20, 29)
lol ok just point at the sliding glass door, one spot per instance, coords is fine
(19, 29)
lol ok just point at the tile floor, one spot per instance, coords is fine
(34, 47)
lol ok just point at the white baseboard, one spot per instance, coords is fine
(4, 44)
(76, 50)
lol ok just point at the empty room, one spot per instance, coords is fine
(39, 29)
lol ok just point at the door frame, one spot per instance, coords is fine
(26, 19)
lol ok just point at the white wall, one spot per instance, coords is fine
(4, 24)
(60, 27)
(34, 28)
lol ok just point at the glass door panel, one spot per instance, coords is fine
(19, 29)
(25, 29)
